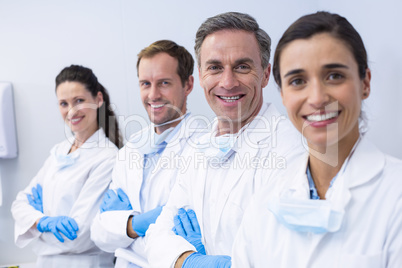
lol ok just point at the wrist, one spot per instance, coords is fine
(182, 258)
(130, 230)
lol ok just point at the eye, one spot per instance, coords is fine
(164, 83)
(243, 68)
(214, 68)
(145, 84)
(296, 82)
(335, 76)
(63, 104)
(80, 100)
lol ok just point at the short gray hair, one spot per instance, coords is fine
(234, 21)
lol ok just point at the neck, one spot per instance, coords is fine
(160, 129)
(227, 126)
(81, 138)
(326, 162)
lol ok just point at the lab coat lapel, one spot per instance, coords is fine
(134, 168)
(135, 177)
(368, 156)
(373, 160)
(246, 149)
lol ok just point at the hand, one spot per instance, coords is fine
(198, 260)
(62, 224)
(35, 199)
(186, 225)
(113, 201)
(142, 221)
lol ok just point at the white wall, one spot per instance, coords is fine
(39, 38)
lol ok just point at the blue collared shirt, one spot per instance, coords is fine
(313, 190)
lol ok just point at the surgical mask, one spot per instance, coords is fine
(316, 216)
(217, 147)
(172, 121)
(156, 141)
(64, 160)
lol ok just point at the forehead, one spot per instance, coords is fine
(315, 52)
(161, 64)
(71, 89)
(229, 45)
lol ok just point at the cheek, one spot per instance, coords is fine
(208, 82)
(143, 95)
(63, 112)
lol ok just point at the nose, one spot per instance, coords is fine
(228, 79)
(154, 93)
(71, 111)
(318, 96)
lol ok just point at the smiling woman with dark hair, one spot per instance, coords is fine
(341, 206)
(55, 211)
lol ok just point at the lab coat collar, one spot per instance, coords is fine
(365, 163)
(97, 139)
(365, 154)
(256, 132)
(248, 142)
(181, 131)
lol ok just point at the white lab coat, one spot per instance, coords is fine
(256, 142)
(109, 229)
(74, 191)
(370, 192)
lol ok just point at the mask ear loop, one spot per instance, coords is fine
(171, 121)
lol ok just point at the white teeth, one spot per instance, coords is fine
(230, 99)
(321, 117)
(75, 120)
(157, 106)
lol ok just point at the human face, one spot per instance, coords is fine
(162, 93)
(79, 108)
(232, 77)
(322, 90)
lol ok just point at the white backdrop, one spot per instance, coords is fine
(39, 38)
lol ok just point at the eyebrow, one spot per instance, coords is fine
(237, 62)
(159, 80)
(327, 66)
(335, 65)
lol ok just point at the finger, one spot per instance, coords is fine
(57, 234)
(35, 194)
(113, 195)
(40, 191)
(194, 222)
(73, 224)
(64, 231)
(185, 221)
(30, 199)
(122, 196)
(179, 227)
(108, 193)
(65, 228)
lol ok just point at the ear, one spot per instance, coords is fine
(99, 99)
(267, 72)
(189, 85)
(366, 84)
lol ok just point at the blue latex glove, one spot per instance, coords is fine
(186, 225)
(142, 221)
(35, 199)
(213, 261)
(60, 224)
(113, 201)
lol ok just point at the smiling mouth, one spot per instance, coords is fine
(156, 106)
(231, 98)
(321, 117)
